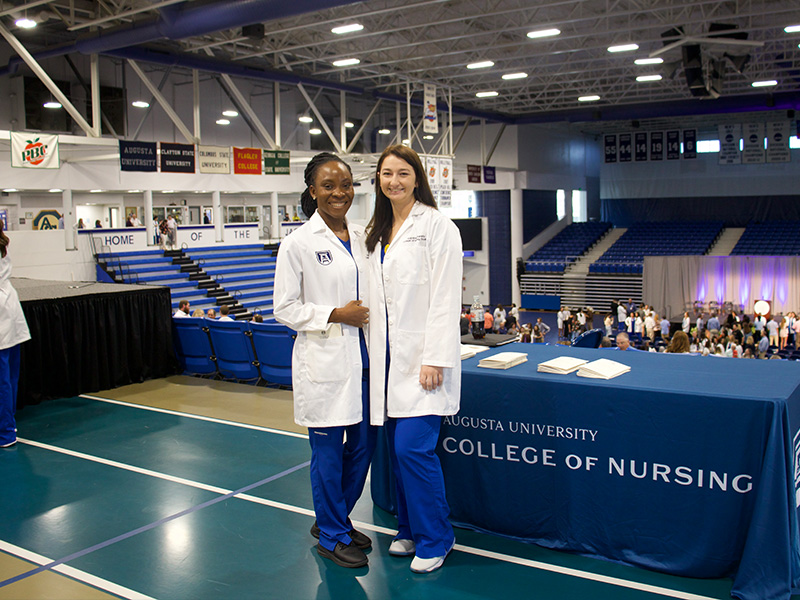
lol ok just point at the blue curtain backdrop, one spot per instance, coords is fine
(496, 205)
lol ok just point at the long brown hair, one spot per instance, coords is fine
(3, 241)
(679, 343)
(380, 226)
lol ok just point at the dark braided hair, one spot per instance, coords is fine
(3, 241)
(307, 203)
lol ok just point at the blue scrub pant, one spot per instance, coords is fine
(340, 458)
(422, 508)
(9, 378)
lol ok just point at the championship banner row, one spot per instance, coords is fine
(188, 158)
(644, 146)
(754, 143)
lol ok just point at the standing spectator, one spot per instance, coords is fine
(763, 346)
(638, 326)
(499, 317)
(686, 324)
(488, 321)
(560, 323)
(608, 322)
(13, 332)
(98, 224)
(760, 323)
(713, 324)
(514, 312)
(631, 306)
(700, 324)
(581, 320)
(538, 337)
(543, 327)
(664, 328)
(650, 326)
(172, 231)
(772, 328)
(526, 335)
(622, 314)
(796, 328)
(790, 319)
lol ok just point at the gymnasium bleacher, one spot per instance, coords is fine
(239, 276)
(776, 238)
(569, 244)
(656, 239)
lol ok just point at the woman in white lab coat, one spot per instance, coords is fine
(319, 289)
(415, 302)
(13, 331)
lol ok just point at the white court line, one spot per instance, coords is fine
(197, 417)
(73, 573)
(623, 583)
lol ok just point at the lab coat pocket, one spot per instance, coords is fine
(326, 358)
(412, 267)
(407, 351)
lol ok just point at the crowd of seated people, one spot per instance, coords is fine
(184, 310)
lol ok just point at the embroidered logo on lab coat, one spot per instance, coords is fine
(417, 239)
(324, 258)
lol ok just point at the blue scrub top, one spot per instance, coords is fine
(362, 341)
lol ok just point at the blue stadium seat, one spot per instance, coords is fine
(589, 339)
(193, 346)
(236, 358)
(274, 343)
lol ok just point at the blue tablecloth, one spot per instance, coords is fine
(685, 464)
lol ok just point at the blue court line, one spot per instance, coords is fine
(150, 526)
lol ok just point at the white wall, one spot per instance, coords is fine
(42, 255)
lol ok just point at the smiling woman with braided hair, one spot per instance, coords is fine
(319, 288)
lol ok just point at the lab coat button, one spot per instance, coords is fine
(388, 301)
(391, 322)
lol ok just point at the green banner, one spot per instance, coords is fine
(276, 162)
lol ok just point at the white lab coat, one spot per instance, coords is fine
(416, 292)
(13, 327)
(315, 274)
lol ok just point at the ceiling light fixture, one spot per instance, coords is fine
(491, 94)
(25, 23)
(649, 78)
(52, 104)
(230, 113)
(305, 119)
(588, 98)
(648, 61)
(543, 33)
(314, 131)
(10, 190)
(623, 48)
(140, 104)
(223, 122)
(481, 65)
(427, 137)
(792, 29)
(55, 190)
(515, 76)
(349, 125)
(384, 131)
(95, 191)
(767, 83)
(353, 27)
(346, 62)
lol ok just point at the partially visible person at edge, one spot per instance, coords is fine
(13, 331)
(320, 287)
(415, 292)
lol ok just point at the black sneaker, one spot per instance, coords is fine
(361, 540)
(350, 556)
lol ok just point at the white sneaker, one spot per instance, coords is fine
(428, 565)
(402, 547)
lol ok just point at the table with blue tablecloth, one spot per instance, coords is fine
(685, 464)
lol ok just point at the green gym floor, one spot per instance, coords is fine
(182, 488)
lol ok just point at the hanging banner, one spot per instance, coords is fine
(778, 142)
(673, 145)
(624, 148)
(729, 136)
(656, 145)
(276, 162)
(177, 158)
(689, 144)
(753, 136)
(431, 119)
(640, 146)
(138, 156)
(445, 182)
(611, 148)
(432, 171)
(247, 161)
(34, 151)
(214, 159)
(489, 175)
(474, 173)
